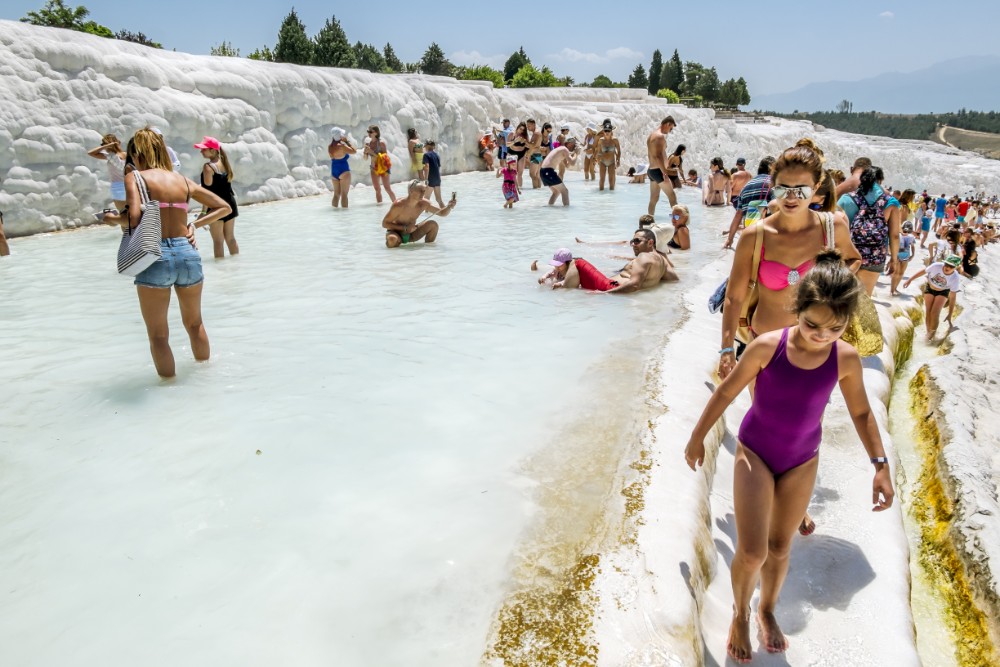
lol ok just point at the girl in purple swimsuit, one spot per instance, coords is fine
(795, 369)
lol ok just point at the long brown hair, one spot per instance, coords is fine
(148, 150)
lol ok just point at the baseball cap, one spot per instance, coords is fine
(950, 260)
(561, 256)
(338, 134)
(741, 160)
(210, 143)
(564, 126)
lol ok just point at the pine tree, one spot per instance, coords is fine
(392, 62)
(332, 48)
(517, 60)
(638, 78)
(673, 73)
(369, 57)
(655, 70)
(741, 84)
(729, 94)
(293, 45)
(434, 62)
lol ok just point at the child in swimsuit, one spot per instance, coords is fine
(796, 370)
(509, 187)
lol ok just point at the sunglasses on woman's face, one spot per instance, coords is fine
(800, 192)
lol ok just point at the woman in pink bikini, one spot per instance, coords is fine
(795, 369)
(180, 265)
(793, 236)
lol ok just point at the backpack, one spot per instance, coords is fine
(869, 229)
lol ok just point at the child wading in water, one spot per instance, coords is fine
(509, 188)
(795, 370)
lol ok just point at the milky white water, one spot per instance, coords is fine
(344, 480)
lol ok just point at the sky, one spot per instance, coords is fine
(776, 47)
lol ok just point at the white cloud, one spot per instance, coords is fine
(468, 58)
(568, 55)
(887, 15)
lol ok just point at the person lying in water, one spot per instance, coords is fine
(400, 221)
(647, 269)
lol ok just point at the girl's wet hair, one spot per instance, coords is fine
(829, 283)
(148, 151)
(805, 154)
(869, 177)
(717, 161)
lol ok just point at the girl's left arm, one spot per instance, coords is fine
(853, 387)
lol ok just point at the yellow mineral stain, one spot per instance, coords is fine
(933, 509)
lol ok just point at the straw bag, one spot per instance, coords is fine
(140, 246)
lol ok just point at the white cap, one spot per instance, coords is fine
(592, 127)
(338, 134)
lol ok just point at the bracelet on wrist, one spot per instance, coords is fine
(879, 459)
(726, 350)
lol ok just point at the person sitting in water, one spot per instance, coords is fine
(647, 269)
(682, 236)
(556, 158)
(400, 221)
(693, 178)
(638, 174)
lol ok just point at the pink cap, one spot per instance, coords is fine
(209, 142)
(562, 256)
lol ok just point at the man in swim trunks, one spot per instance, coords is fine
(558, 158)
(656, 148)
(340, 171)
(648, 269)
(401, 224)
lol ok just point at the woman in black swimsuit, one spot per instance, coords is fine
(517, 145)
(682, 236)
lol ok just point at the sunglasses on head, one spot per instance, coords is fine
(800, 192)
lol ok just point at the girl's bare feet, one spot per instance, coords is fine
(774, 638)
(738, 647)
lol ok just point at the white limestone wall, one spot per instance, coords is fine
(60, 91)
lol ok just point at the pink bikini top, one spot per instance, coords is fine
(177, 204)
(775, 276)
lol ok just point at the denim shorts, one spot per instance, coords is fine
(180, 266)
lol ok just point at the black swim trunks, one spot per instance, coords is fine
(655, 175)
(550, 177)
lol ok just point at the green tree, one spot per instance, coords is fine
(602, 81)
(264, 54)
(369, 57)
(692, 75)
(673, 73)
(480, 73)
(669, 95)
(529, 77)
(139, 38)
(434, 61)
(392, 62)
(331, 47)
(729, 93)
(55, 14)
(655, 69)
(225, 49)
(293, 45)
(566, 81)
(517, 60)
(708, 85)
(741, 84)
(638, 78)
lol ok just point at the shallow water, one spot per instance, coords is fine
(348, 476)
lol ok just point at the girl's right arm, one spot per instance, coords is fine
(757, 354)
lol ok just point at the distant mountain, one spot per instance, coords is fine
(946, 86)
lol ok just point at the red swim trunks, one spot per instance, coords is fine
(591, 278)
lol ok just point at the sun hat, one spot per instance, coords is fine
(607, 124)
(664, 233)
(591, 127)
(564, 126)
(561, 256)
(641, 169)
(210, 143)
(338, 134)
(953, 261)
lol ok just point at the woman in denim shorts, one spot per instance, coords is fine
(180, 265)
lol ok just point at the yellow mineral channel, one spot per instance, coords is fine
(932, 508)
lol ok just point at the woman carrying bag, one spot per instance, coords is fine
(180, 264)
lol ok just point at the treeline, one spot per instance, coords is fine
(692, 81)
(900, 126)
(55, 14)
